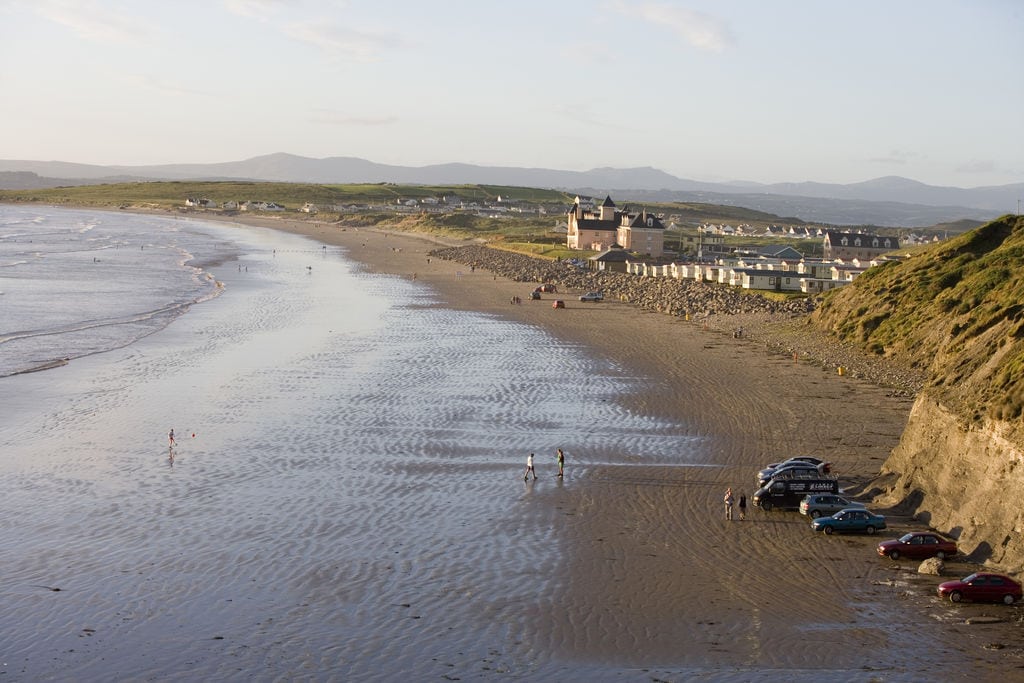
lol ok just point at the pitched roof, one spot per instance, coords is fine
(615, 254)
(861, 239)
(596, 224)
(608, 201)
(640, 221)
(780, 251)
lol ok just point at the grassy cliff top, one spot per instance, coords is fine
(955, 309)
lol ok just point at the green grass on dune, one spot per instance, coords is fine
(955, 308)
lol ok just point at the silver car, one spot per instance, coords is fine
(826, 504)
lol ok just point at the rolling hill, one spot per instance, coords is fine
(891, 201)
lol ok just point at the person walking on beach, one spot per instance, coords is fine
(171, 443)
(728, 503)
(743, 505)
(561, 462)
(529, 468)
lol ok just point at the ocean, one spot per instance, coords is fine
(345, 500)
(73, 283)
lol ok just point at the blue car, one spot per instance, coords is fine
(850, 520)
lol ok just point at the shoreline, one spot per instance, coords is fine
(653, 576)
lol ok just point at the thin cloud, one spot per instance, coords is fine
(343, 43)
(95, 21)
(702, 31)
(165, 87)
(255, 9)
(335, 118)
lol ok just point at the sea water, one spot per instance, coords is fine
(346, 498)
(74, 283)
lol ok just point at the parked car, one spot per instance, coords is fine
(917, 545)
(535, 295)
(558, 303)
(809, 459)
(787, 493)
(768, 472)
(800, 470)
(850, 520)
(592, 296)
(546, 288)
(982, 587)
(819, 504)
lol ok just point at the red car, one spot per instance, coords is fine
(558, 303)
(918, 545)
(982, 587)
(547, 288)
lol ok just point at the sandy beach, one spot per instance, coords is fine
(657, 575)
(263, 553)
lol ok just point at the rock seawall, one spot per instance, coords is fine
(665, 295)
(778, 325)
(962, 479)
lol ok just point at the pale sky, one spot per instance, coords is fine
(762, 90)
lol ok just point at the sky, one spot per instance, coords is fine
(753, 90)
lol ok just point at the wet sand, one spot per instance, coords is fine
(436, 562)
(656, 576)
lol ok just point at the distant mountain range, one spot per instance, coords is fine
(891, 201)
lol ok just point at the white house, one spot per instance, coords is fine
(201, 203)
(816, 285)
(261, 206)
(846, 273)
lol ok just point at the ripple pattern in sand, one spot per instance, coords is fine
(350, 507)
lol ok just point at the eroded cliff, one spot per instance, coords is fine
(956, 311)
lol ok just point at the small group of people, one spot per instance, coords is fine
(560, 457)
(729, 500)
(515, 300)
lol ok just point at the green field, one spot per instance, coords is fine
(172, 194)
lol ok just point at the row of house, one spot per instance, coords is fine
(796, 232)
(492, 208)
(791, 232)
(203, 203)
(810, 276)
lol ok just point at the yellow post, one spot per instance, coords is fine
(841, 371)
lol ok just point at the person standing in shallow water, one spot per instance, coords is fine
(728, 503)
(743, 505)
(529, 468)
(561, 462)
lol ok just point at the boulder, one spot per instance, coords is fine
(933, 566)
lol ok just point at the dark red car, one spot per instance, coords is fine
(982, 587)
(547, 288)
(917, 545)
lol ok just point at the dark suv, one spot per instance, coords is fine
(795, 471)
